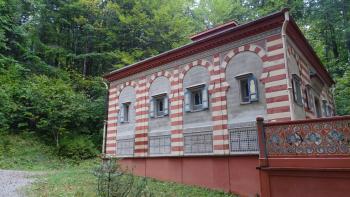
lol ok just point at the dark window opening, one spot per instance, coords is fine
(126, 112)
(196, 98)
(248, 88)
(296, 82)
(160, 106)
(318, 108)
(244, 90)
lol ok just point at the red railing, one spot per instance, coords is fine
(305, 138)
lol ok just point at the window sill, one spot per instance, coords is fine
(162, 116)
(244, 153)
(197, 110)
(249, 102)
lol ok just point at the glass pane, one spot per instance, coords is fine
(252, 87)
(160, 105)
(244, 90)
(126, 112)
(197, 98)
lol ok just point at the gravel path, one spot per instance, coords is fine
(12, 182)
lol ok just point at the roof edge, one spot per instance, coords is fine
(194, 47)
(309, 51)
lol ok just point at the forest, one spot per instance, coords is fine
(53, 54)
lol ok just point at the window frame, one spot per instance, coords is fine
(196, 92)
(318, 108)
(125, 109)
(309, 97)
(154, 108)
(189, 99)
(297, 90)
(158, 112)
(325, 108)
(247, 78)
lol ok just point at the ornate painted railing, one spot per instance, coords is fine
(316, 137)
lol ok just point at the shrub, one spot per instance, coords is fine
(77, 148)
(6, 147)
(115, 182)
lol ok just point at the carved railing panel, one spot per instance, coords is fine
(323, 137)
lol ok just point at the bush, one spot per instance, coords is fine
(112, 181)
(6, 147)
(77, 148)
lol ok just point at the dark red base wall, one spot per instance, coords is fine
(308, 183)
(237, 174)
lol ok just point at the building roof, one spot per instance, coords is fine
(224, 34)
(211, 31)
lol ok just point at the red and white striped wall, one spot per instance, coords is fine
(276, 84)
(113, 108)
(176, 113)
(306, 80)
(177, 142)
(274, 78)
(141, 127)
(218, 91)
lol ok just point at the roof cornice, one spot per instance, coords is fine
(299, 39)
(236, 33)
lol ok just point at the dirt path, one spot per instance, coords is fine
(12, 182)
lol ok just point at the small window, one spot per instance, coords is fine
(124, 112)
(324, 108)
(159, 106)
(196, 98)
(248, 88)
(296, 82)
(244, 90)
(329, 110)
(317, 107)
(308, 98)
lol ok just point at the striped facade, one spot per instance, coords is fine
(274, 78)
(272, 50)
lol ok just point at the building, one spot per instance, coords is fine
(188, 114)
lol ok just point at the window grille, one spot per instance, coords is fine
(159, 144)
(243, 140)
(125, 146)
(201, 142)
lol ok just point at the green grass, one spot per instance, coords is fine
(26, 152)
(69, 181)
(79, 181)
(63, 177)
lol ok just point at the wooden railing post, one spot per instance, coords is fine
(263, 160)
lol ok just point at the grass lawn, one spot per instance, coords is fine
(64, 177)
(79, 181)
